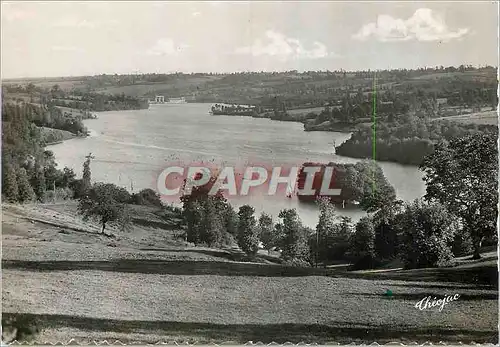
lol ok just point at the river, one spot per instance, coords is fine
(132, 147)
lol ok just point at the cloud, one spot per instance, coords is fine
(423, 25)
(284, 48)
(166, 46)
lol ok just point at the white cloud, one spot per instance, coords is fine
(166, 46)
(284, 48)
(423, 25)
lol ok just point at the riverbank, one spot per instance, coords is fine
(334, 126)
(51, 136)
(308, 123)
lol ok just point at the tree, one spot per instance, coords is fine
(295, 240)
(231, 220)
(193, 215)
(386, 235)
(30, 89)
(248, 238)
(463, 176)
(427, 232)
(212, 225)
(377, 191)
(339, 239)
(39, 182)
(362, 242)
(106, 203)
(86, 179)
(67, 178)
(9, 185)
(207, 217)
(267, 232)
(26, 192)
(324, 228)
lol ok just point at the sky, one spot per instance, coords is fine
(48, 39)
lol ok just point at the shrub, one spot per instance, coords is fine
(146, 197)
(19, 328)
(78, 188)
(61, 194)
(296, 262)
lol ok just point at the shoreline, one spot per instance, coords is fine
(90, 133)
(73, 136)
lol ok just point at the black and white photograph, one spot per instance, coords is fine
(249, 172)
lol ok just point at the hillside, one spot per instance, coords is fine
(298, 90)
(148, 285)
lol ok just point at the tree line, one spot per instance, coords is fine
(406, 139)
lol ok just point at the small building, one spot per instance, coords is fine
(441, 101)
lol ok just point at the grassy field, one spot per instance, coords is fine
(300, 111)
(146, 285)
(487, 117)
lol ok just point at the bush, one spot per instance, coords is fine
(146, 197)
(77, 187)
(296, 262)
(19, 328)
(228, 240)
(173, 209)
(61, 194)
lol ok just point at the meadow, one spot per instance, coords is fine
(147, 285)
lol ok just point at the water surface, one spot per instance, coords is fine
(132, 147)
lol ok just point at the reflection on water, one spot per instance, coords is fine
(132, 147)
